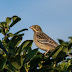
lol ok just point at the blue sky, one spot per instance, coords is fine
(54, 16)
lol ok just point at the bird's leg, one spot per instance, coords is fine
(46, 52)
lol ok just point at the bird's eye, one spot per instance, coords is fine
(35, 27)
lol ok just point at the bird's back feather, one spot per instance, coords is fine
(45, 39)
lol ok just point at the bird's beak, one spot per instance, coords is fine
(31, 27)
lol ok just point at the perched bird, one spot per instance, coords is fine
(42, 40)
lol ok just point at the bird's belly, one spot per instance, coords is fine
(43, 46)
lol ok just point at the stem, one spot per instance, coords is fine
(54, 64)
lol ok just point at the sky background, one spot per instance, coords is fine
(54, 17)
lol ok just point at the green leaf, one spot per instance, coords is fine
(1, 24)
(10, 66)
(5, 41)
(70, 39)
(70, 68)
(26, 49)
(0, 31)
(2, 62)
(69, 47)
(4, 28)
(20, 31)
(8, 20)
(16, 61)
(27, 43)
(56, 51)
(3, 48)
(25, 46)
(15, 20)
(14, 42)
(61, 41)
(7, 31)
(48, 68)
(65, 49)
(3, 31)
(22, 69)
(30, 55)
(60, 52)
(21, 34)
(34, 62)
(10, 35)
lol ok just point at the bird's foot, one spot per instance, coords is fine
(46, 53)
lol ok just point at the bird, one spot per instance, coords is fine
(42, 40)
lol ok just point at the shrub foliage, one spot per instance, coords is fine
(19, 57)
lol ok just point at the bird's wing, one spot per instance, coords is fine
(44, 39)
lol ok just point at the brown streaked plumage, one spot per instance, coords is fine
(42, 40)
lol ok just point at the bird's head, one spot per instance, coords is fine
(36, 28)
